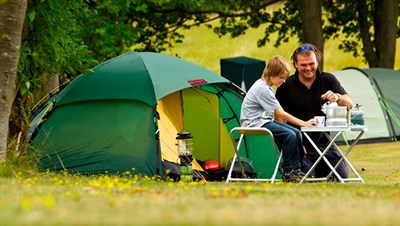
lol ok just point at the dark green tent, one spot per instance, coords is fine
(125, 115)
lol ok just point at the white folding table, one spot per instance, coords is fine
(337, 132)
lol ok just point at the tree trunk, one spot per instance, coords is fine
(386, 13)
(311, 22)
(368, 45)
(12, 14)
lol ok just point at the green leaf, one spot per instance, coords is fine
(32, 15)
(27, 85)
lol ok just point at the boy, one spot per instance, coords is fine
(260, 107)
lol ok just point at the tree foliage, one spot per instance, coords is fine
(51, 46)
(362, 26)
(64, 38)
(369, 26)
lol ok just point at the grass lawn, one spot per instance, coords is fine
(29, 198)
(57, 199)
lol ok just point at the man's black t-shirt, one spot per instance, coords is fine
(303, 103)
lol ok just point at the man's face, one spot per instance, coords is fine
(307, 65)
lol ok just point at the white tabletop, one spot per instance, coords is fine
(334, 128)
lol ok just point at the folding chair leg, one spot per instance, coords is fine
(273, 178)
(252, 131)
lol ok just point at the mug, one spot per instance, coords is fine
(319, 121)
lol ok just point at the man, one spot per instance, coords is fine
(302, 96)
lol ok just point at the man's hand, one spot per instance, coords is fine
(331, 96)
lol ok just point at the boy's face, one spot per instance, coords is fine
(278, 80)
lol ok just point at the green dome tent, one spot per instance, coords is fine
(124, 116)
(376, 90)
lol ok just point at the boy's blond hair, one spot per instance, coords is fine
(276, 66)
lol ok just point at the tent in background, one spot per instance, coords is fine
(376, 90)
(125, 116)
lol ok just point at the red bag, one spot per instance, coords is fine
(211, 165)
